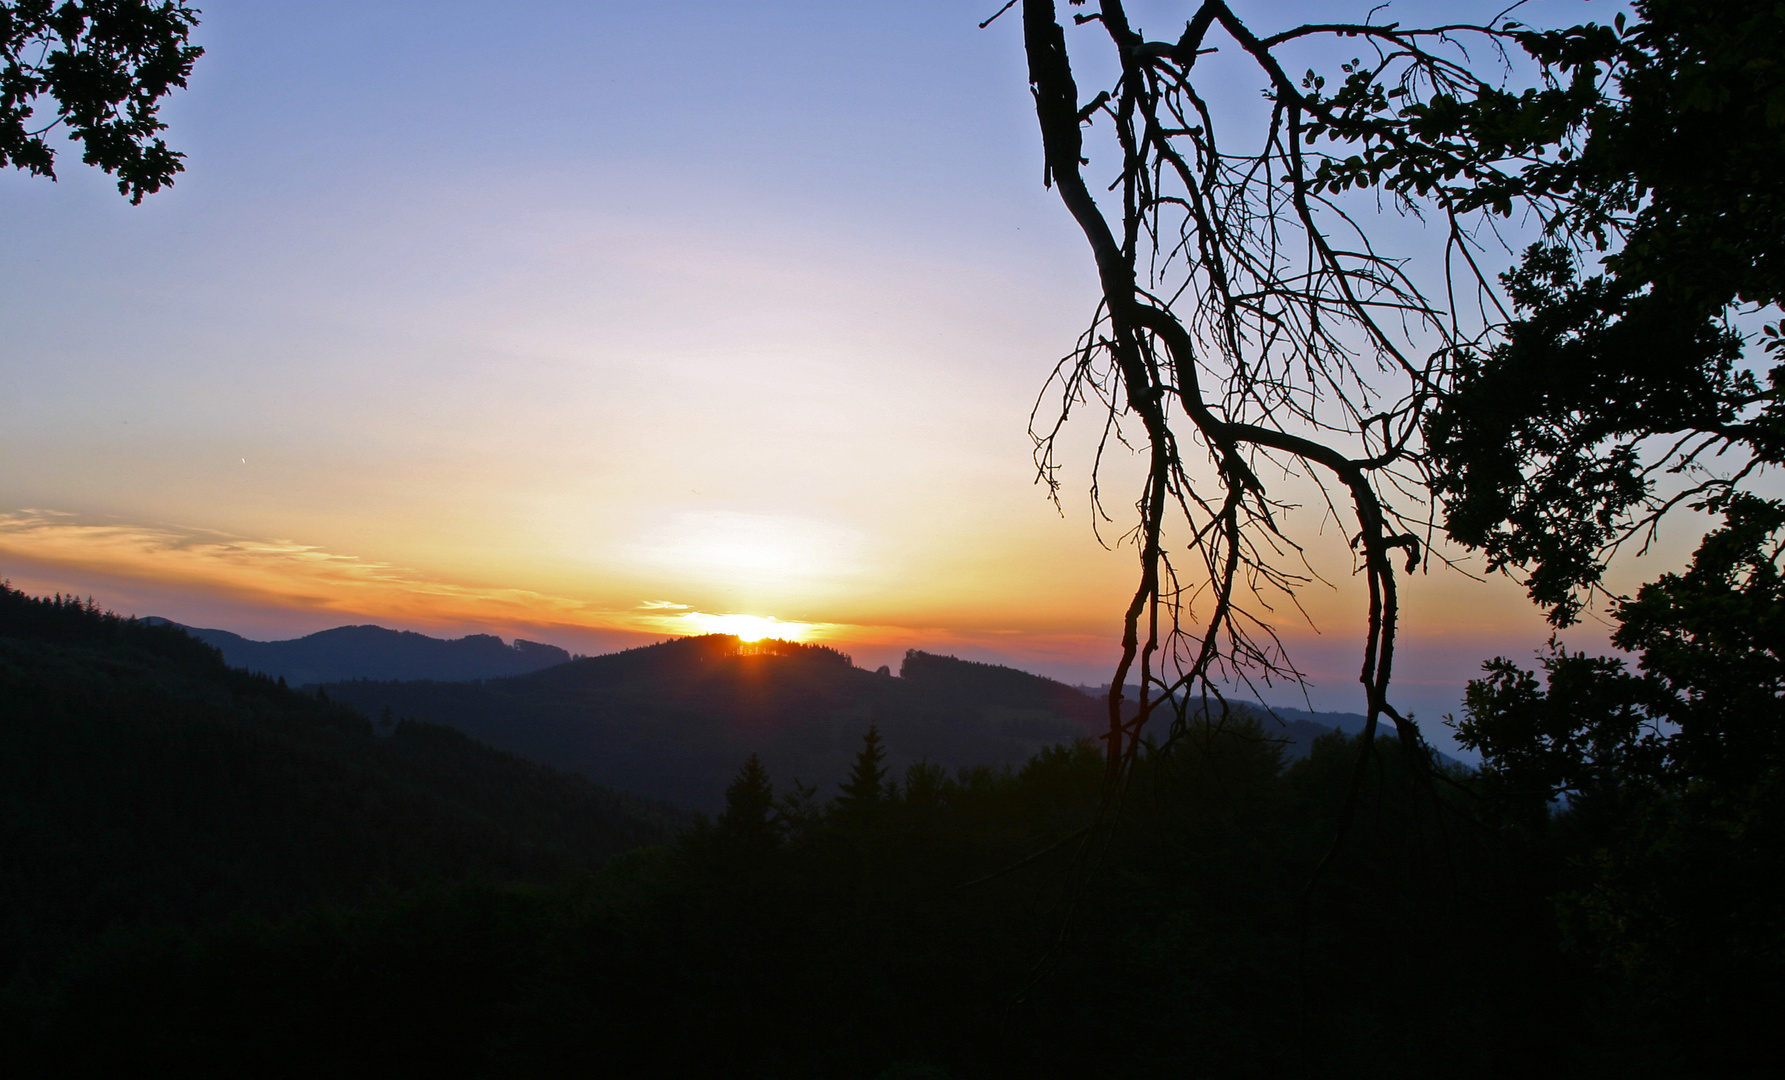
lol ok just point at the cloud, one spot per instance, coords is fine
(279, 573)
(290, 576)
(295, 576)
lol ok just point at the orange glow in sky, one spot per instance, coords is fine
(596, 350)
(746, 627)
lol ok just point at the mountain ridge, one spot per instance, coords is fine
(674, 720)
(365, 651)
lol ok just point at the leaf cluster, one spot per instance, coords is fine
(1703, 711)
(1551, 446)
(105, 65)
(1674, 773)
(1542, 437)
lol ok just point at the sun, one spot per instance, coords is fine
(746, 627)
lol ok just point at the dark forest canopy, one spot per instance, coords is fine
(909, 926)
(209, 874)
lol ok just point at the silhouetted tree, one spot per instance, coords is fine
(749, 806)
(1674, 776)
(926, 784)
(1552, 445)
(1248, 317)
(1249, 322)
(105, 65)
(799, 810)
(1612, 398)
(864, 791)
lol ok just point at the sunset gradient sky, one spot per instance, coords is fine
(579, 322)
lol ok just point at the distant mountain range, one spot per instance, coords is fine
(372, 652)
(675, 720)
(1297, 728)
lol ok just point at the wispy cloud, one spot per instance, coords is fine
(288, 574)
(281, 573)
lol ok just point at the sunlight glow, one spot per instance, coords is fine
(757, 552)
(744, 627)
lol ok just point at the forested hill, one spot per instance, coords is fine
(145, 783)
(672, 721)
(148, 793)
(373, 652)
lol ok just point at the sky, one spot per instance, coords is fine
(595, 324)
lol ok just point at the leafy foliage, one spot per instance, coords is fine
(1549, 446)
(1612, 399)
(1676, 776)
(1705, 709)
(1543, 437)
(107, 65)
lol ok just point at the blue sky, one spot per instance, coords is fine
(527, 317)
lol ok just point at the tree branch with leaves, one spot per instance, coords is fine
(104, 67)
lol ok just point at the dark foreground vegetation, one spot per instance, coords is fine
(208, 874)
(144, 786)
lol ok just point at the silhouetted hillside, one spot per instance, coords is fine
(912, 926)
(145, 783)
(673, 720)
(372, 652)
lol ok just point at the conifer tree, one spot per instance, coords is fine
(862, 792)
(749, 804)
(799, 812)
(926, 785)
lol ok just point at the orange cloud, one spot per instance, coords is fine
(279, 573)
(293, 576)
